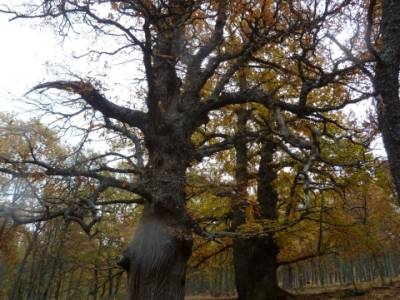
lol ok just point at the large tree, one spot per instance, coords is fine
(386, 77)
(190, 51)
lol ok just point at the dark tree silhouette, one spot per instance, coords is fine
(386, 80)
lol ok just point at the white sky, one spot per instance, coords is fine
(23, 53)
(31, 54)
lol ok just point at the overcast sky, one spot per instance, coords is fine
(23, 53)
(31, 54)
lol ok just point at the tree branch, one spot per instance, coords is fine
(98, 102)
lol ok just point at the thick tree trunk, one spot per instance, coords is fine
(157, 257)
(387, 86)
(255, 259)
(256, 269)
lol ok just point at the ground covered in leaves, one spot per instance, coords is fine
(388, 293)
(375, 293)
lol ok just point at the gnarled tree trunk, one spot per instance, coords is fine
(386, 86)
(256, 268)
(255, 258)
(156, 259)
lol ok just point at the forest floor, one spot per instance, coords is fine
(349, 294)
(375, 293)
(362, 291)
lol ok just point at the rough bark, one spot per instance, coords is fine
(241, 174)
(255, 267)
(157, 257)
(255, 259)
(386, 86)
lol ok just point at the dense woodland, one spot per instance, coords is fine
(237, 160)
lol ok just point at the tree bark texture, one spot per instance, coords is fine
(255, 259)
(386, 85)
(157, 257)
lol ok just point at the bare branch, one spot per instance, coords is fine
(98, 102)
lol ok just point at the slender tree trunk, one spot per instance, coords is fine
(57, 260)
(117, 285)
(3, 227)
(60, 282)
(387, 86)
(17, 291)
(110, 279)
(157, 257)
(96, 285)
